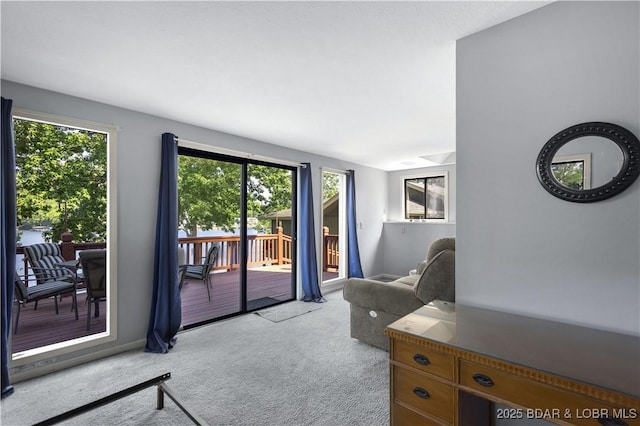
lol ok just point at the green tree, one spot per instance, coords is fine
(208, 193)
(269, 191)
(61, 176)
(330, 185)
(570, 174)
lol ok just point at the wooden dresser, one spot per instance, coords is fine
(449, 364)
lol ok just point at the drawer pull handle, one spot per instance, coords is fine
(421, 359)
(609, 421)
(483, 380)
(421, 392)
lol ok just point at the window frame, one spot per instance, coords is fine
(425, 176)
(29, 357)
(342, 225)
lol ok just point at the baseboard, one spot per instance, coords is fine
(47, 366)
(335, 285)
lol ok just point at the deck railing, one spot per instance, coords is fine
(330, 252)
(262, 249)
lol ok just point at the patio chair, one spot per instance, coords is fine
(202, 271)
(25, 294)
(95, 277)
(43, 258)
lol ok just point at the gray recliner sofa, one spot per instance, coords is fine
(376, 304)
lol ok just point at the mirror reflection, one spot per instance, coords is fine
(587, 162)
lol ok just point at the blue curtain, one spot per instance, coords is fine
(355, 269)
(8, 237)
(166, 309)
(308, 259)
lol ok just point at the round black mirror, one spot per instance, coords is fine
(589, 162)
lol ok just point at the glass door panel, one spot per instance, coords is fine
(270, 242)
(209, 211)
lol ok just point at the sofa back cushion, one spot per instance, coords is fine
(448, 243)
(438, 279)
(441, 244)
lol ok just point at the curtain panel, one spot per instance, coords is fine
(308, 258)
(8, 222)
(354, 268)
(166, 309)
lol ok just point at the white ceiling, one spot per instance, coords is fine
(367, 82)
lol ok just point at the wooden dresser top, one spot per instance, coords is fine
(596, 357)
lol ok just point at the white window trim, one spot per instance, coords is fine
(444, 173)
(342, 221)
(45, 352)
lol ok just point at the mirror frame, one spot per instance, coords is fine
(624, 139)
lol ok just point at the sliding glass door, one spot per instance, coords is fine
(269, 242)
(247, 210)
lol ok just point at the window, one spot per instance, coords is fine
(334, 226)
(426, 197)
(572, 171)
(65, 182)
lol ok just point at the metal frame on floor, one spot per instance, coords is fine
(163, 389)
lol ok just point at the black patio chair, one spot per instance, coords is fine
(202, 271)
(95, 277)
(43, 258)
(25, 294)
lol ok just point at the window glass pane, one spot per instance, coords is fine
(435, 197)
(333, 225)
(61, 187)
(569, 174)
(414, 192)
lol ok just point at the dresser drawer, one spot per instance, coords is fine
(542, 399)
(423, 393)
(432, 362)
(402, 416)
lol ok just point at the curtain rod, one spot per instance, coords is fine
(225, 151)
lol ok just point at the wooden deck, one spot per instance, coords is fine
(226, 296)
(43, 327)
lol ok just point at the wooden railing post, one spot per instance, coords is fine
(280, 244)
(325, 248)
(67, 247)
(197, 253)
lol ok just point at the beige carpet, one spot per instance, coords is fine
(287, 311)
(242, 371)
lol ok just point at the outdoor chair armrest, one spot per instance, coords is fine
(41, 273)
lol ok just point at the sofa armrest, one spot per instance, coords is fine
(438, 280)
(420, 268)
(394, 298)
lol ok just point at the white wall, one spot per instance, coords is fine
(138, 170)
(405, 243)
(520, 249)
